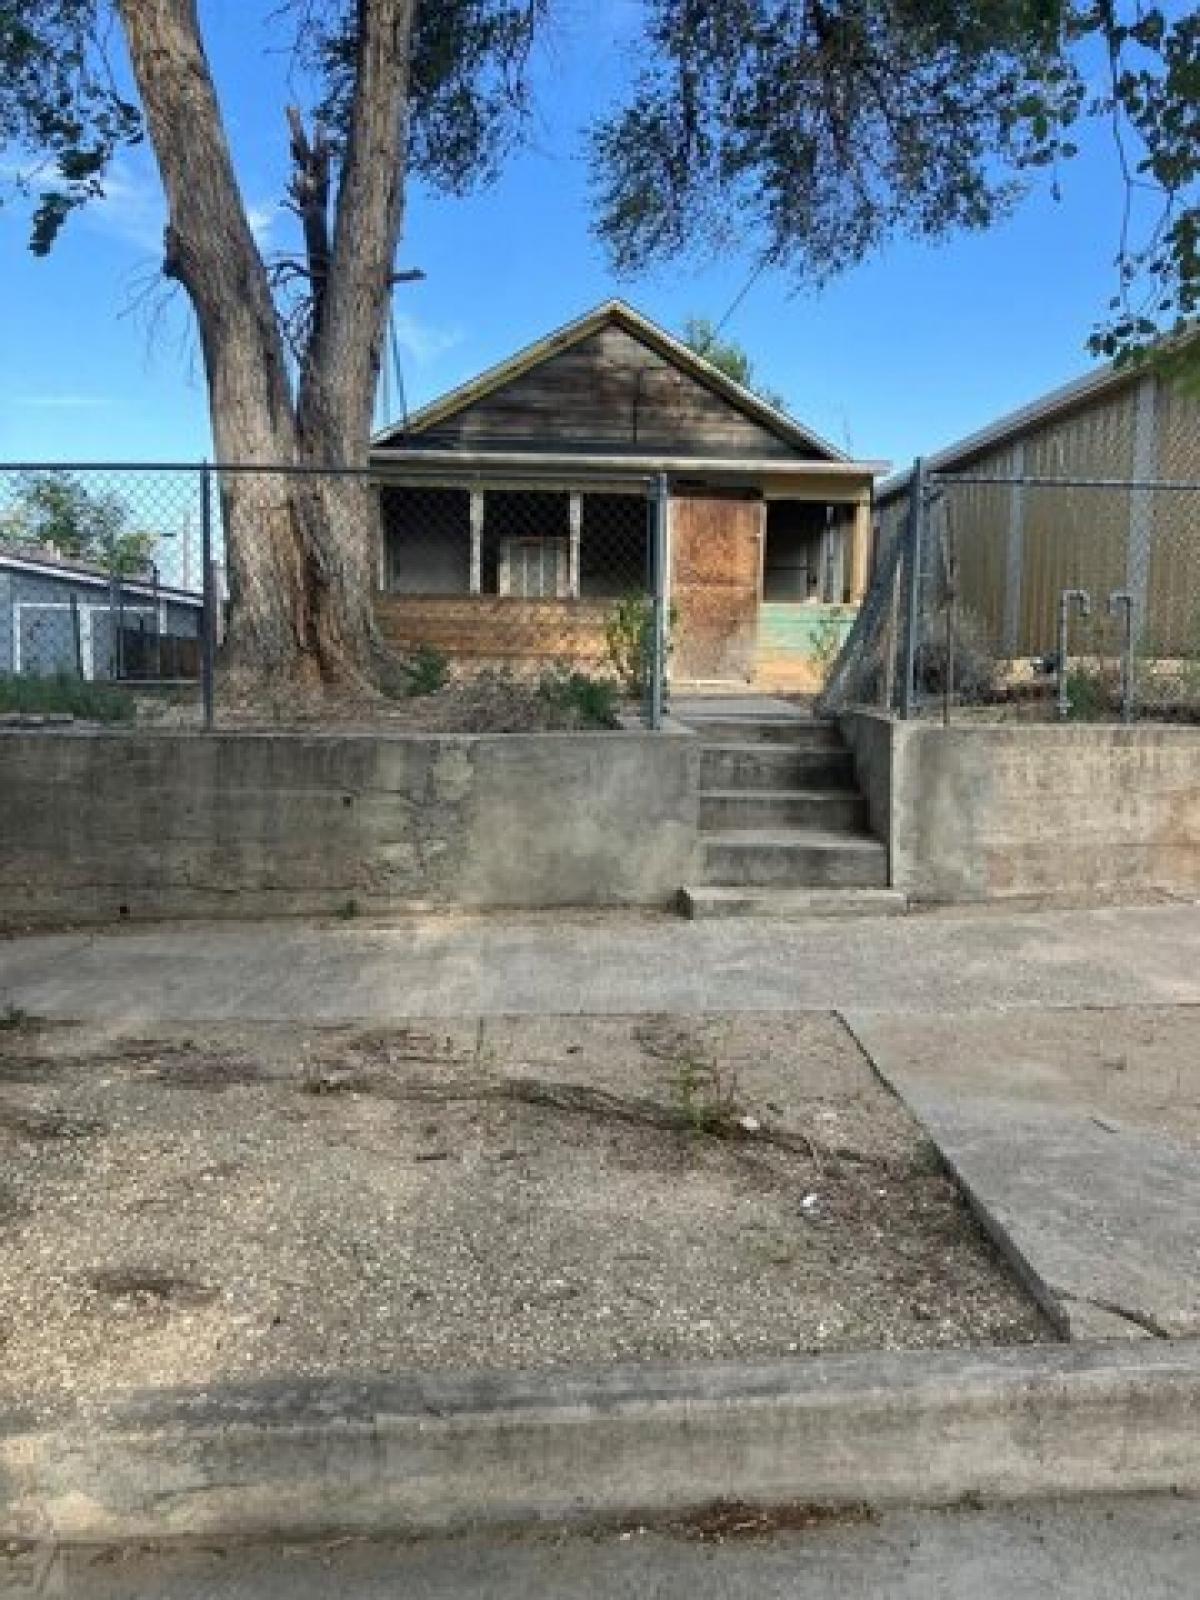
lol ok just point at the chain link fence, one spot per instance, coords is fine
(1067, 596)
(129, 579)
(101, 581)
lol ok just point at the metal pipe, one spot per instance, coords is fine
(1121, 601)
(1083, 602)
(208, 614)
(912, 623)
(658, 643)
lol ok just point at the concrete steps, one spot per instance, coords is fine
(783, 825)
(722, 810)
(706, 902)
(791, 731)
(769, 766)
(800, 858)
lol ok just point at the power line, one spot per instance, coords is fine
(735, 303)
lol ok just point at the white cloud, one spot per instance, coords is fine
(262, 219)
(132, 208)
(425, 342)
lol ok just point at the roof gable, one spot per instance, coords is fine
(612, 380)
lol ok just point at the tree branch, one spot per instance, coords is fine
(308, 193)
(340, 375)
(209, 245)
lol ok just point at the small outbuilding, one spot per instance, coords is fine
(515, 512)
(63, 615)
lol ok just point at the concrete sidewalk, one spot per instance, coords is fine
(1076, 1138)
(608, 964)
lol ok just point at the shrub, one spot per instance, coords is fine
(426, 671)
(1093, 692)
(629, 641)
(974, 658)
(590, 702)
(65, 694)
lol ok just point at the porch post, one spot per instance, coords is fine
(860, 552)
(476, 541)
(573, 555)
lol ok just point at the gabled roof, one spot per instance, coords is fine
(1048, 407)
(611, 313)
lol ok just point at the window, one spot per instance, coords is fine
(534, 569)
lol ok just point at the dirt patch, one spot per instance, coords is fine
(514, 1193)
(471, 702)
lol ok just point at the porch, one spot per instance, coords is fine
(763, 573)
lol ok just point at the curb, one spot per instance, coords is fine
(436, 1453)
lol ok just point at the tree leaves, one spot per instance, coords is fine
(814, 132)
(60, 110)
(56, 512)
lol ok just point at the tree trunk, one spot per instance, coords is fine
(301, 550)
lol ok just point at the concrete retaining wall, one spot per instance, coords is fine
(984, 811)
(104, 825)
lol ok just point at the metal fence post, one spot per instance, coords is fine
(912, 620)
(208, 615)
(658, 622)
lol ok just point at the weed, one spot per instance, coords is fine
(426, 671)
(974, 654)
(828, 636)
(707, 1098)
(347, 911)
(13, 1019)
(1089, 694)
(590, 702)
(65, 695)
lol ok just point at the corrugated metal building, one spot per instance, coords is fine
(1035, 531)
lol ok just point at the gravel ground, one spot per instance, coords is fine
(197, 1207)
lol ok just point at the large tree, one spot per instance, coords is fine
(291, 345)
(808, 131)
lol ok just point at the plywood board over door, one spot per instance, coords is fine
(716, 582)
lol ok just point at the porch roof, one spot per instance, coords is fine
(781, 478)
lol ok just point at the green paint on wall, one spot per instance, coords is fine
(803, 629)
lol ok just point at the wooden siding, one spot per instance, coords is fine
(612, 392)
(482, 630)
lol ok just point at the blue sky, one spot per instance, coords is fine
(907, 352)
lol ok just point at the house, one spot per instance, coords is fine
(1093, 485)
(64, 615)
(516, 511)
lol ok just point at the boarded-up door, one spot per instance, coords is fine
(716, 573)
